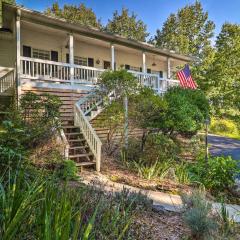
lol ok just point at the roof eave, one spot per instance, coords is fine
(62, 24)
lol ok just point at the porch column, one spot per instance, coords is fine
(18, 54)
(112, 57)
(144, 62)
(71, 58)
(168, 68)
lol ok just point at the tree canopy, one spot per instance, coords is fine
(224, 73)
(76, 14)
(189, 31)
(127, 25)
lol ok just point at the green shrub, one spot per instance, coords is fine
(198, 217)
(159, 148)
(187, 109)
(224, 127)
(32, 123)
(218, 174)
(69, 170)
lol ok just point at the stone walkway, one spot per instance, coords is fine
(161, 201)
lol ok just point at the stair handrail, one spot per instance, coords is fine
(93, 100)
(7, 81)
(89, 134)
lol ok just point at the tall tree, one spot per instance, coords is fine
(189, 31)
(224, 73)
(76, 14)
(1, 10)
(127, 25)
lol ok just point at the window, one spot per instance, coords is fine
(137, 69)
(80, 61)
(26, 51)
(41, 54)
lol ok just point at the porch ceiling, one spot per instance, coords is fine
(61, 24)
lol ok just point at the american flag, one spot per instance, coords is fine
(185, 78)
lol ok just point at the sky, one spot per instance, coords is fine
(152, 12)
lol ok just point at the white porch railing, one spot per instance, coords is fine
(59, 72)
(89, 134)
(7, 81)
(160, 85)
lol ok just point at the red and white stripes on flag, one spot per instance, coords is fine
(185, 78)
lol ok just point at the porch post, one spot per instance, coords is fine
(18, 54)
(112, 57)
(168, 68)
(71, 58)
(144, 62)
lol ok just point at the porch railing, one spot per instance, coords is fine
(7, 81)
(59, 72)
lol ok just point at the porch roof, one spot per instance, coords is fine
(62, 24)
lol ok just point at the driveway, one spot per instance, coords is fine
(224, 146)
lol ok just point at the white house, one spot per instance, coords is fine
(48, 54)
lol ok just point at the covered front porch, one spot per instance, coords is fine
(56, 58)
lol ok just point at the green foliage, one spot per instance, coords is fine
(155, 159)
(33, 123)
(224, 127)
(76, 14)
(189, 31)
(224, 74)
(182, 174)
(69, 170)
(186, 111)
(120, 81)
(147, 109)
(218, 174)
(152, 170)
(197, 216)
(127, 26)
(45, 209)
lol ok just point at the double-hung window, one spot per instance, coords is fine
(41, 54)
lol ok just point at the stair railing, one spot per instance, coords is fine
(7, 81)
(89, 134)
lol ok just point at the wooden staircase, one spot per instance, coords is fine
(79, 150)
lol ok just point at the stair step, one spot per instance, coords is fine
(81, 155)
(76, 140)
(69, 126)
(81, 164)
(73, 133)
(78, 147)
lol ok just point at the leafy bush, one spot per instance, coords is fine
(69, 170)
(225, 127)
(187, 109)
(198, 217)
(160, 148)
(32, 123)
(218, 174)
